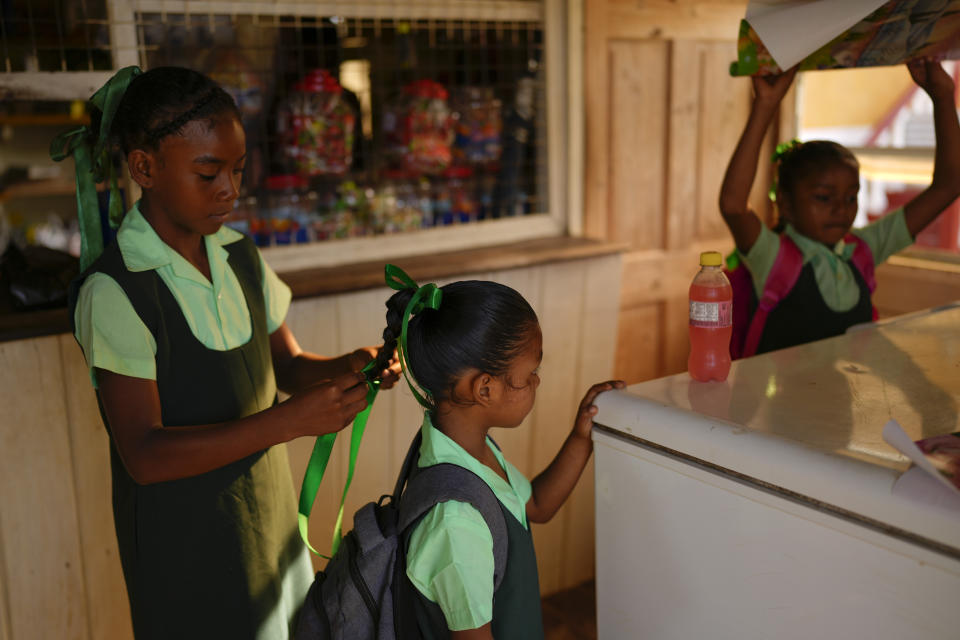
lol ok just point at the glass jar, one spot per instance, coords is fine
(316, 126)
(418, 128)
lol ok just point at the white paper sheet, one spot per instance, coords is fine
(934, 488)
(793, 29)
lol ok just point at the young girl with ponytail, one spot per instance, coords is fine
(471, 353)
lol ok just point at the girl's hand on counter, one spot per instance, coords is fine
(584, 420)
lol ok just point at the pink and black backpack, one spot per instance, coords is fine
(748, 327)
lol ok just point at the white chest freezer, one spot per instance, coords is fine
(763, 507)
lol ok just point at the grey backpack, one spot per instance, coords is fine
(364, 593)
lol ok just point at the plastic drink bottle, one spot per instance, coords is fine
(711, 320)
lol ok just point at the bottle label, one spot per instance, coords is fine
(711, 315)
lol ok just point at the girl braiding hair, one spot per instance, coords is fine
(182, 325)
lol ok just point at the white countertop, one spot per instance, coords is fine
(807, 421)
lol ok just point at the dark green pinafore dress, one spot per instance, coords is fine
(216, 555)
(516, 603)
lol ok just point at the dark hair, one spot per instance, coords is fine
(479, 325)
(160, 102)
(807, 158)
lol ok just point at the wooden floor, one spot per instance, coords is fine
(571, 614)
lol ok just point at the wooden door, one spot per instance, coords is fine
(663, 115)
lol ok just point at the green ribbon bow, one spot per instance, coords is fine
(781, 150)
(319, 458)
(428, 296)
(93, 164)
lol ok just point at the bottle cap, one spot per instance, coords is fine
(711, 259)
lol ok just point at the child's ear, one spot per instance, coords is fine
(142, 165)
(485, 389)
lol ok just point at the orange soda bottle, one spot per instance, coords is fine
(711, 320)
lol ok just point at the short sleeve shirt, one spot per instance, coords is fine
(831, 268)
(111, 333)
(450, 556)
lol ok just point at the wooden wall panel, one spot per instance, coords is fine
(905, 285)
(638, 139)
(109, 615)
(724, 104)
(639, 343)
(42, 560)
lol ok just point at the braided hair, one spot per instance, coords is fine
(160, 102)
(480, 325)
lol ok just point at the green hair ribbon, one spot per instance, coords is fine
(782, 150)
(93, 165)
(428, 296)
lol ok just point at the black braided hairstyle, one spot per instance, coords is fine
(480, 325)
(807, 158)
(160, 102)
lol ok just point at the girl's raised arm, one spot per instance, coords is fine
(945, 187)
(744, 225)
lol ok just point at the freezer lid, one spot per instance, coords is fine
(807, 421)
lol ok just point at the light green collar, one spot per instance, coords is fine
(841, 252)
(143, 250)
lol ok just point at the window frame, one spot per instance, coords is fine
(563, 62)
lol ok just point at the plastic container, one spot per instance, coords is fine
(316, 126)
(418, 128)
(711, 320)
(288, 209)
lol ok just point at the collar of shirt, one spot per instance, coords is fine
(143, 250)
(841, 252)
(438, 448)
(833, 273)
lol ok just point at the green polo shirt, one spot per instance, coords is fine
(111, 333)
(831, 268)
(450, 557)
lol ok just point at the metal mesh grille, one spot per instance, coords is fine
(481, 60)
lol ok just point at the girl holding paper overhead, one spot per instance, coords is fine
(183, 327)
(816, 196)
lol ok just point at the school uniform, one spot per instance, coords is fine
(450, 553)
(216, 555)
(830, 295)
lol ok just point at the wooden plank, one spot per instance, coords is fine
(42, 558)
(597, 117)
(684, 120)
(638, 120)
(369, 274)
(676, 340)
(905, 285)
(106, 594)
(639, 355)
(675, 19)
(651, 276)
(596, 345)
(724, 105)
(562, 297)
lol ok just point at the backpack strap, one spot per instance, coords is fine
(781, 280)
(442, 482)
(862, 260)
